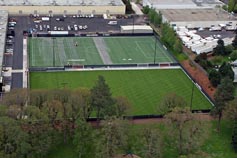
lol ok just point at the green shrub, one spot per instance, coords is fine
(233, 55)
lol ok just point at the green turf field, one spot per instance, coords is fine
(65, 52)
(48, 52)
(136, 50)
(144, 88)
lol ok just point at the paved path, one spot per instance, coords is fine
(101, 47)
(25, 64)
(136, 9)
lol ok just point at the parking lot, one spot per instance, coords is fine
(76, 25)
(13, 56)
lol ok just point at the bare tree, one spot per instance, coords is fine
(187, 132)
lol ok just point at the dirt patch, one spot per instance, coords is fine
(200, 77)
(197, 116)
(127, 156)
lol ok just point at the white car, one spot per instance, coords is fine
(69, 28)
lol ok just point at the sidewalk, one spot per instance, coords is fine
(136, 8)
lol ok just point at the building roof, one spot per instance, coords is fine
(62, 2)
(196, 15)
(172, 2)
(235, 71)
(136, 27)
(3, 28)
(183, 4)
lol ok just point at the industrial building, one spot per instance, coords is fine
(196, 18)
(55, 7)
(3, 28)
(182, 4)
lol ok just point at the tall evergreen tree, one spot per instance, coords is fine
(234, 136)
(224, 93)
(226, 71)
(101, 98)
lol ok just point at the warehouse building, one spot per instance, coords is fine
(182, 4)
(55, 7)
(3, 28)
(196, 18)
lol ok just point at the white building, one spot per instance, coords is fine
(42, 7)
(181, 4)
(196, 18)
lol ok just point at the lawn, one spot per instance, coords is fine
(144, 88)
(44, 51)
(136, 50)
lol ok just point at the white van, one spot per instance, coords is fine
(112, 23)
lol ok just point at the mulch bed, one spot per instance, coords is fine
(200, 77)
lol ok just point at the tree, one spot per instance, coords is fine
(234, 42)
(112, 138)
(186, 132)
(152, 13)
(200, 57)
(13, 141)
(152, 143)
(128, 6)
(230, 112)
(80, 102)
(228, 49)
(232, 6)
(157, 18)
(145, 9)
(84, 139)
(122, 106)
(168, 35)
(169, 102)
(178, 46)
(38, 97)
(15, 111)
(223, 94)
(41, 138)
(53, 109)
(16, 97)
(34, 114)
(233, 55)
(234, 136)
(225, 70)
(214, 77)
(101, 98)
(220, 48)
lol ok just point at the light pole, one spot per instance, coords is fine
(53, 53)
(155, 50)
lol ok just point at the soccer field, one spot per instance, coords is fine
(44, 51)
(136, 50)
(60, 51)
(144, 88)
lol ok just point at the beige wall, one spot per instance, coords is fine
(26, 10)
